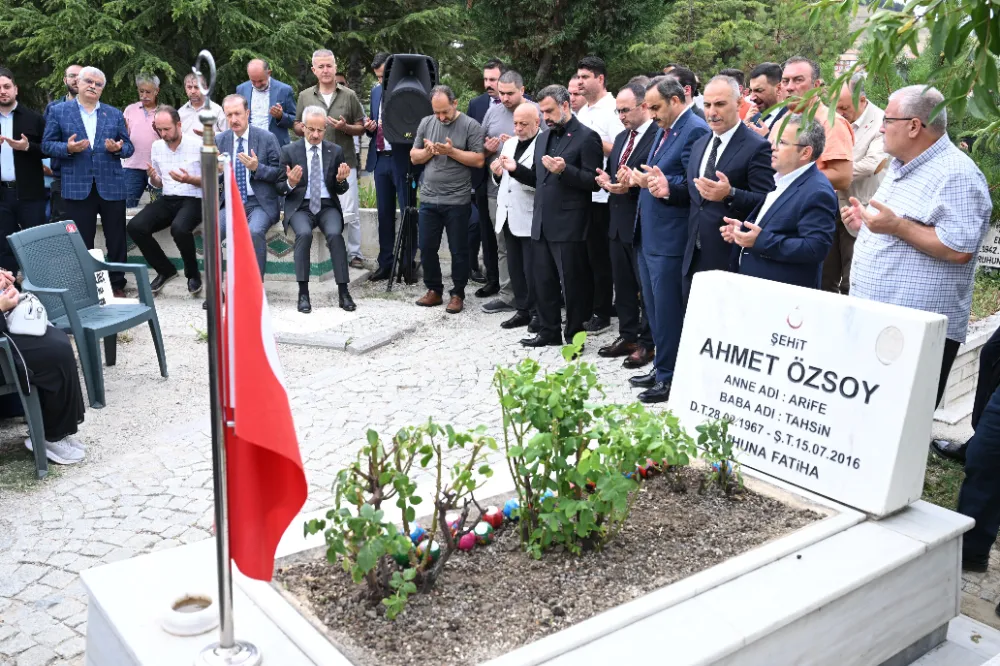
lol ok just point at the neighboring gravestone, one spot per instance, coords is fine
(830, 393)
(989, 249)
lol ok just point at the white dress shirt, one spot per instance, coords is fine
(190, 121)
(89, 121)
(782, 184)
(187, 157)
(307, 173)
(726, 138)
(6, 152)
(260, 107)
(602, 117)
(246, 150)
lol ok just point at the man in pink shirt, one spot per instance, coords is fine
(139, 121)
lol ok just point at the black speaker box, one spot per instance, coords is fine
(409, 78)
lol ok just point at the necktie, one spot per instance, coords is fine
(379, 137)
(315, 182)
(712, 156)
(628, 149)
(241, 172)
(663, 140)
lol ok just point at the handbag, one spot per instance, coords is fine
(28, 317)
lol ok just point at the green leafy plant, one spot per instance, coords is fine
(717, 450)
(372, 548)
(575, 463)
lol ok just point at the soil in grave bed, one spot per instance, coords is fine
(497, 598)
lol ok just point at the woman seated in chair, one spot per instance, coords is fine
(51, 370)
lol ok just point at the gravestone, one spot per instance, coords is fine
(830, 393)
(989, 249)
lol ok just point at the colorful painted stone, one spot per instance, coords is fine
(729, 467)
(493, 516)
(467, 542)
(512, 509)
(453, 519)
(435, 550)
(403, 559)
(483, 533)
(417, 534)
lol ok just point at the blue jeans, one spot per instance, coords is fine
(980, 494)
(135, 184)
(662, 296)
(390, 185)
(434, 220)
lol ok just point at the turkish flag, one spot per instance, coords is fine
(266, 481)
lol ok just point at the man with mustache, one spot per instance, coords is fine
(480, 226)
(765, 92)
(57, 209)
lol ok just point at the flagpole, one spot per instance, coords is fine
(228, 651)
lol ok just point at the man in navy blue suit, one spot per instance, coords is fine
(271, 102)
(728, 176)
(662, 227)
(388, 169)
(789, 236)
(480, 225)
(90, 139)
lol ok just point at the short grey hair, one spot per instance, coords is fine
(200, 78)
(324, 53)
(443, 90)
(811, 133)
(233, 98)
(92, 72)
(733, 84)
(857, 83)
(148, 78)
(311, 111)
(511, 76)
(919, 101)
(668, 86)
(558, 93)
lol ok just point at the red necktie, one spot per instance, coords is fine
(628, 149)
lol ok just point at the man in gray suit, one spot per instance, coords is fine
(255, 162)
(312, 176)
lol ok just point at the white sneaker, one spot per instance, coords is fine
(74, 443)
(59, 452)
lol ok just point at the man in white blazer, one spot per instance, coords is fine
(515, 206)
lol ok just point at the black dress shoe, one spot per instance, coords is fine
(381, 273)
(194, 285)
(620, 347)
(645, 381)
(659, 393)
(596, 324)
(489, 289)
(949, 450)
(975, 565)
(517, 321)
(346, 302)
(542, 341)
(534, 326)
(157, 284)
(476, 275)
(304, 305)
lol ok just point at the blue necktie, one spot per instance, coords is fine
(241, 173)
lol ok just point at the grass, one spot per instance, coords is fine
(17, 468)
(985, 294)
(942, 481)
(366, 193)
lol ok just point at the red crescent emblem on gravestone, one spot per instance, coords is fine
(71, 228)
(794, 319)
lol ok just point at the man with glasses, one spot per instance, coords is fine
(57, 208)
(90, 139)
(790, 234)
(175, 166)
(920, 233)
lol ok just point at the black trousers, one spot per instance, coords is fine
(491, 260)
(57, 207)
(52, 372)
(599, 255)
(557, 268)
(331, 222)
(947, 360)
(519, 267)
(182, 215)
(632, 323)
(84, 213)
(16, 215)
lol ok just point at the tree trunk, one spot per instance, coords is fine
(544, 66)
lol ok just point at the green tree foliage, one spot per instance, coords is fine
(709, 35)
(162, 37)
(544, 39)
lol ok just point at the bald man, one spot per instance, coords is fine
(272, 103)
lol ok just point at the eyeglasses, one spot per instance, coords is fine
(92, 82)
(886, 120)
(622, 112)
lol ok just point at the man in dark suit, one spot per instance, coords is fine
(271, 102)
(765, 92)
(689, 80)
(388, 168)
(662, 228)
(728, 176)
(255, 159)
(22, 181)
(57, 208)
(314, 173)
(90, 139)
(629, 151)
(787, 238)
(480, 225)
(564, 176)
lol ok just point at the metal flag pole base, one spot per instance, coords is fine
(241, 653)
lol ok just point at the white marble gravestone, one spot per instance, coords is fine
(830, 393)
(989, 249)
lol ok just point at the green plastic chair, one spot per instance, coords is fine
(58, 269)
(32, 407)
